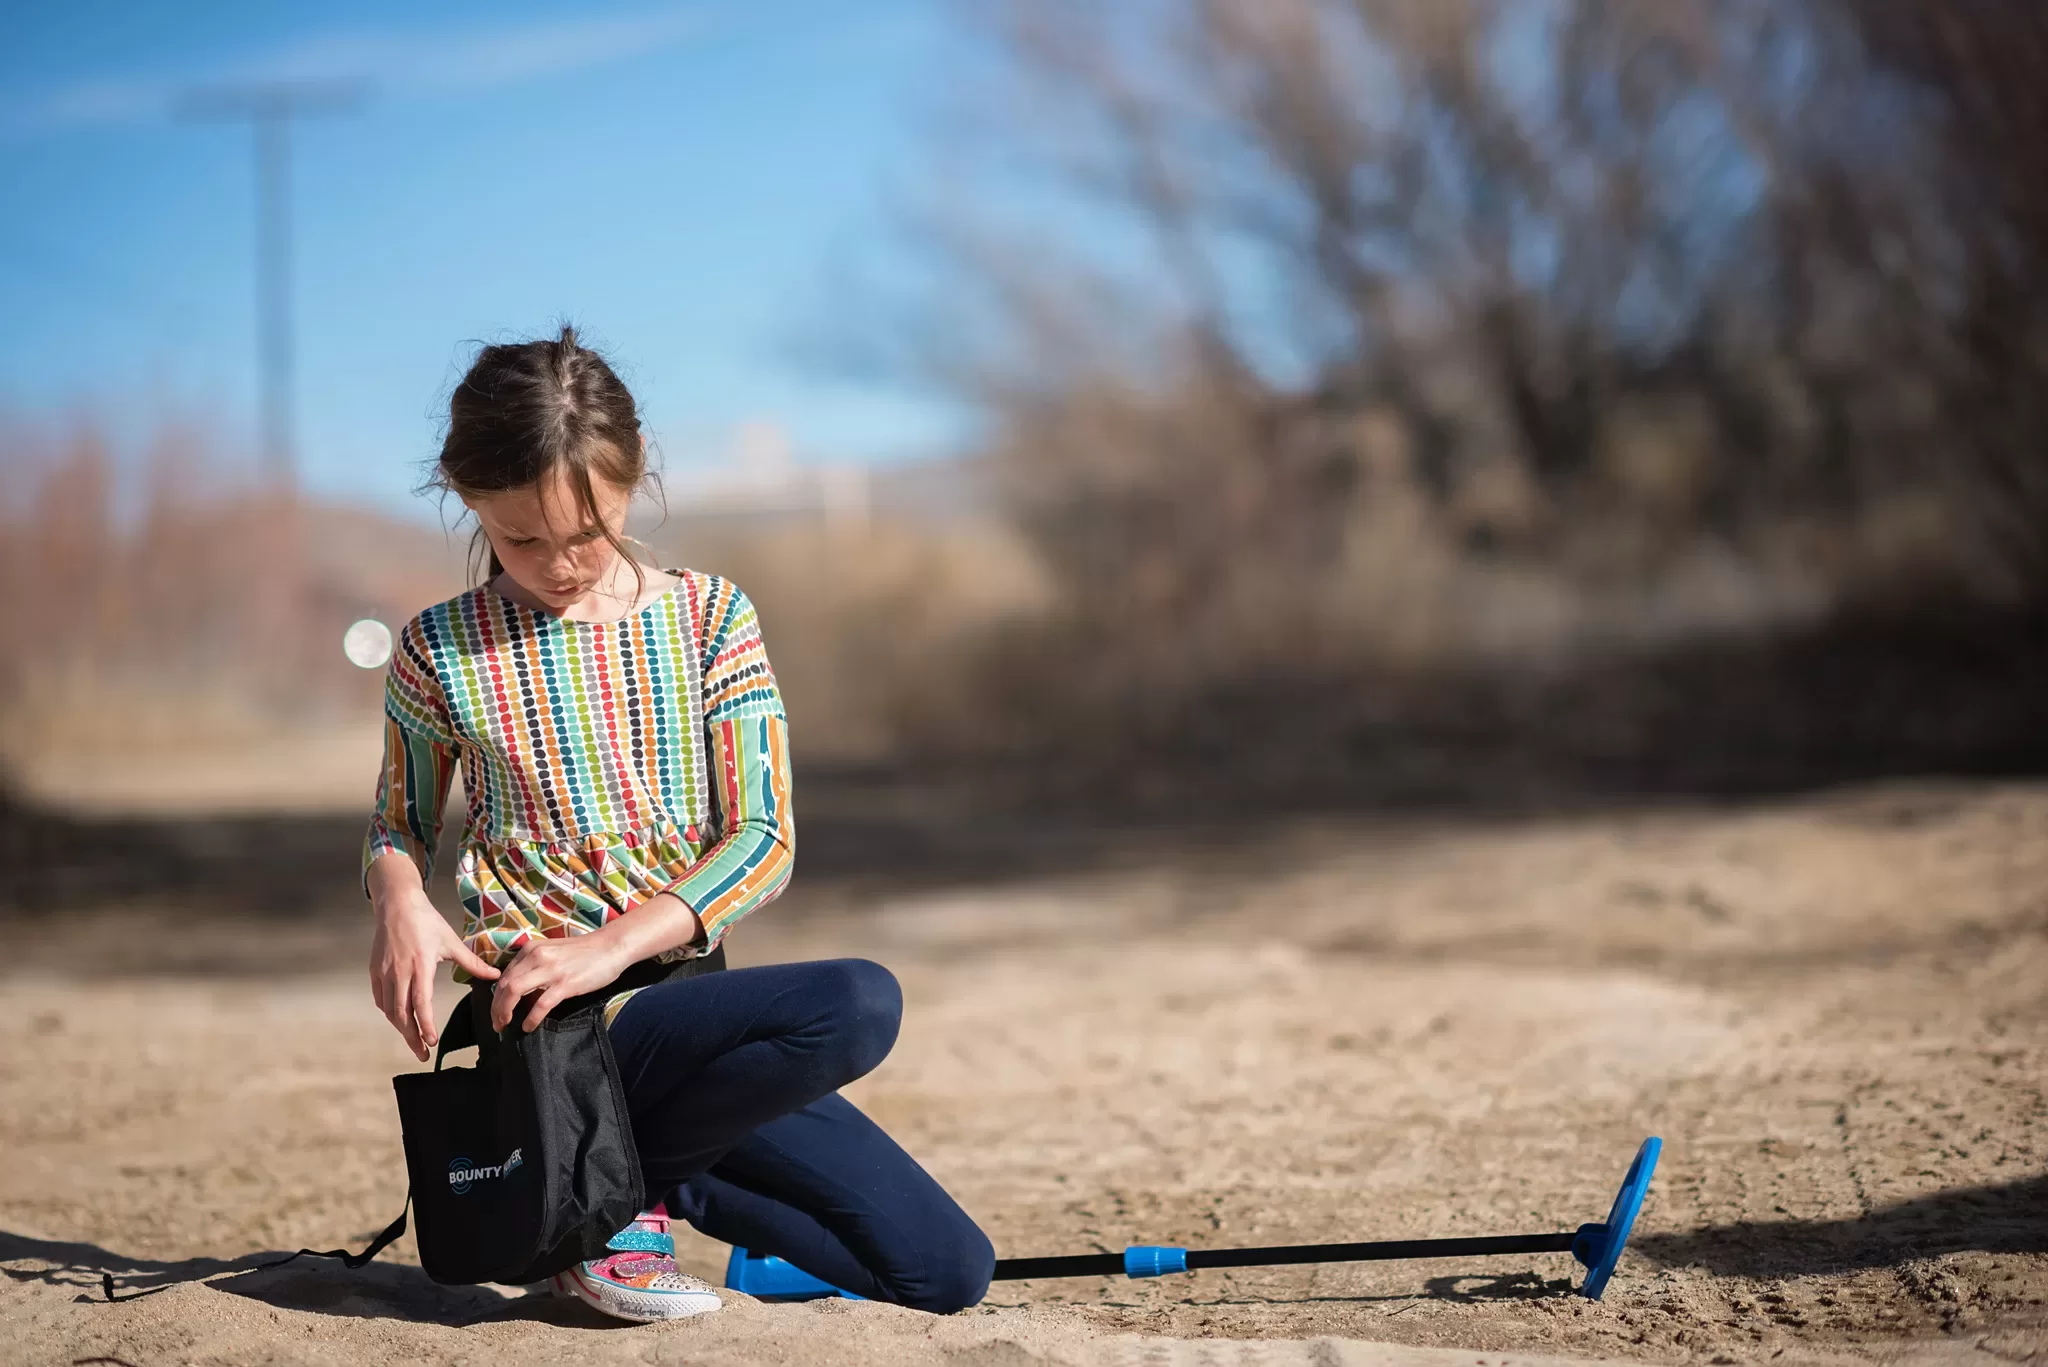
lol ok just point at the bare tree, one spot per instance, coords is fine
(1979, 63)
(1629, 275)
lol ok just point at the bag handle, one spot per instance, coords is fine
(459, 1033)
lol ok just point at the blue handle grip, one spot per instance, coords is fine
(1152, 1260)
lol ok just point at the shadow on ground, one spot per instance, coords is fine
(376, 1290)
(2009, 1218)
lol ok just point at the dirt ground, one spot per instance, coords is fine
(1834, 1011)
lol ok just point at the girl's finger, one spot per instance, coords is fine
(547, 1002)
(387, 994)
(505, 1000)
(398, 1012)
(469, 961)
(423, 1010)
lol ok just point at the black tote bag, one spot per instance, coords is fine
(524, 1165)
(522, 1162)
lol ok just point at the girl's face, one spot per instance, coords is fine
(547, 543)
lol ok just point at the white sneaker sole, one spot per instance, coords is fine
(632, 1302)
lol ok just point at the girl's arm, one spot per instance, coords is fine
(747, 735)
(552, 971)
(419, 758)
(751, 863)
(412, 791)
(412, 938)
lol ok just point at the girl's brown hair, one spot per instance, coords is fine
(528, 409)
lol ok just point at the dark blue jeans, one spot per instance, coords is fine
(732, 1080)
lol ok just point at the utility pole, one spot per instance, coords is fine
(269, 108)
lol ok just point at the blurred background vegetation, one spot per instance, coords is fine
(1376, 402)
(1490, 399)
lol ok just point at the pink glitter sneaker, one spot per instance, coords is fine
(638, 1280)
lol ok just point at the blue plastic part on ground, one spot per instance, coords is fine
(1599, 1246)
(766, 1277)
(1151, 1260)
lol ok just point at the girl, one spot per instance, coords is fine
(626, 756)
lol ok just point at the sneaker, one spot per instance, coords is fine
(638, 1280)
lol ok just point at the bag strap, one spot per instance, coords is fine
(348, 1259)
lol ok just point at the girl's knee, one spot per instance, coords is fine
(864, 1005)
(957, 1273)
(870, 992)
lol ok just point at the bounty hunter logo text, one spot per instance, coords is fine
(462, 1174)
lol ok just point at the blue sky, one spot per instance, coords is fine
(693, 185)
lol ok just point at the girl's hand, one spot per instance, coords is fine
(412, 941)
(552, 971)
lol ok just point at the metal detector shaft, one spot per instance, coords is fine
(1598, 1246)
(1114, 1264)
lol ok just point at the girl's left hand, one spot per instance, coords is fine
(553, 971)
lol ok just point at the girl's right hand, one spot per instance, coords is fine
(413, 941)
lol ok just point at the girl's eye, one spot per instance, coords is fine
(587, 536)
(521, 541)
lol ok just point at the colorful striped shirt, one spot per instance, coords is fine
(605, 762)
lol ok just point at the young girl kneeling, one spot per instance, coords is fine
(626, 757)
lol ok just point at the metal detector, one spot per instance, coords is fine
(1597, 1246)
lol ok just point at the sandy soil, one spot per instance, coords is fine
(1835, 1012)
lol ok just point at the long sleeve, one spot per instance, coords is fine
(747, 739)
(419, 759)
